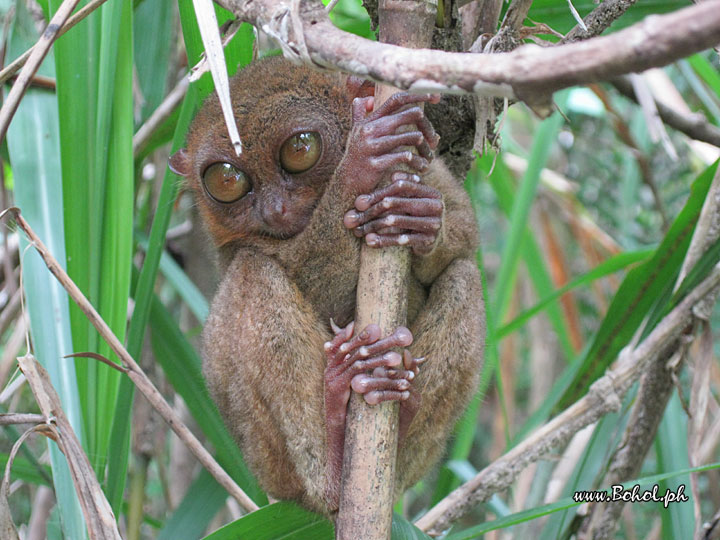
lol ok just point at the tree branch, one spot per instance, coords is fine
(693, 125)
(371, 433)
(528, 73)
(599, 19)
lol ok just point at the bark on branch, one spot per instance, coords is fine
(529, 73)
(371, 435)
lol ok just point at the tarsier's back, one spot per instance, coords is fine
(281, 354)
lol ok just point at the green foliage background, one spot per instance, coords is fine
(106, 212)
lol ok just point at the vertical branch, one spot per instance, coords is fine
(371, 438)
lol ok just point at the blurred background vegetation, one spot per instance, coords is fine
(577, 199)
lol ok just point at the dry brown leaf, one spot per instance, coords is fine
(99, 516)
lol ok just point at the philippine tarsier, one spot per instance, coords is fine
(288, 217)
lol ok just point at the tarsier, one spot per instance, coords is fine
(288, 216)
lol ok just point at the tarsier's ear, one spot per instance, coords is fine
(179, 163)
(358, 87)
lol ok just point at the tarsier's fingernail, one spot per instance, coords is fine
(371, 239)
(362, 202)
(411, 375)
(344, 347)
(420, 360)
(363, 351)
(405, 395)
(335, 328)
(327, 345)
(415, 178)
(403, 239)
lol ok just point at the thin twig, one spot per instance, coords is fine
(516, 15)
(693, 125)
(38, 54)
(7, 419)
(20, 61)
(136, 374)
(159, 115)
(598, 20)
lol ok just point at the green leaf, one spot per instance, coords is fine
(33, 146)
(609, 266)
(204, 498)
(637, 294)
(556, 13)
(542, 141)
(402, 529)
(152, 43)
(672, 454)
(706, 71)
(95, 107)
(282, 520)
(23, 469)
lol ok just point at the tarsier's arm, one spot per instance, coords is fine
(436, 219)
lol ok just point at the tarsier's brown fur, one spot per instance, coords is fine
(263, 341)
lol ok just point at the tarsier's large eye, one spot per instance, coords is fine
(300, 152)
(225, 183)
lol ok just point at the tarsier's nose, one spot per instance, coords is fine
(276, 214)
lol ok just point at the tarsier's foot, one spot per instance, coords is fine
(404, 213)
(366, 364)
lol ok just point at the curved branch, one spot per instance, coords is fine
(529, 73)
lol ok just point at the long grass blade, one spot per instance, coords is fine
(34, 133)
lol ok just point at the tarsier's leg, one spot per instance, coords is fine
(366, 364)
(449, 332)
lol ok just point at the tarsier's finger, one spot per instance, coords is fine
(397, 176)
(364, 383)
(400, 99)
(387, 360)
(387, 161)
(412, 363)
(402, 188)
(416, 241)
(409, 117)
(384, 231)
(411, 224)
(388, 143)
(361, 106)
(391, 373)
(401, 337)
(338, 348)
(341, 336)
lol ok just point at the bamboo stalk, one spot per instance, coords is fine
(371, 435)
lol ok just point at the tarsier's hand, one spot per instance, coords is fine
(373, 144)
(405, 213)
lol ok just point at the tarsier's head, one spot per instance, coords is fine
(293, 122)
